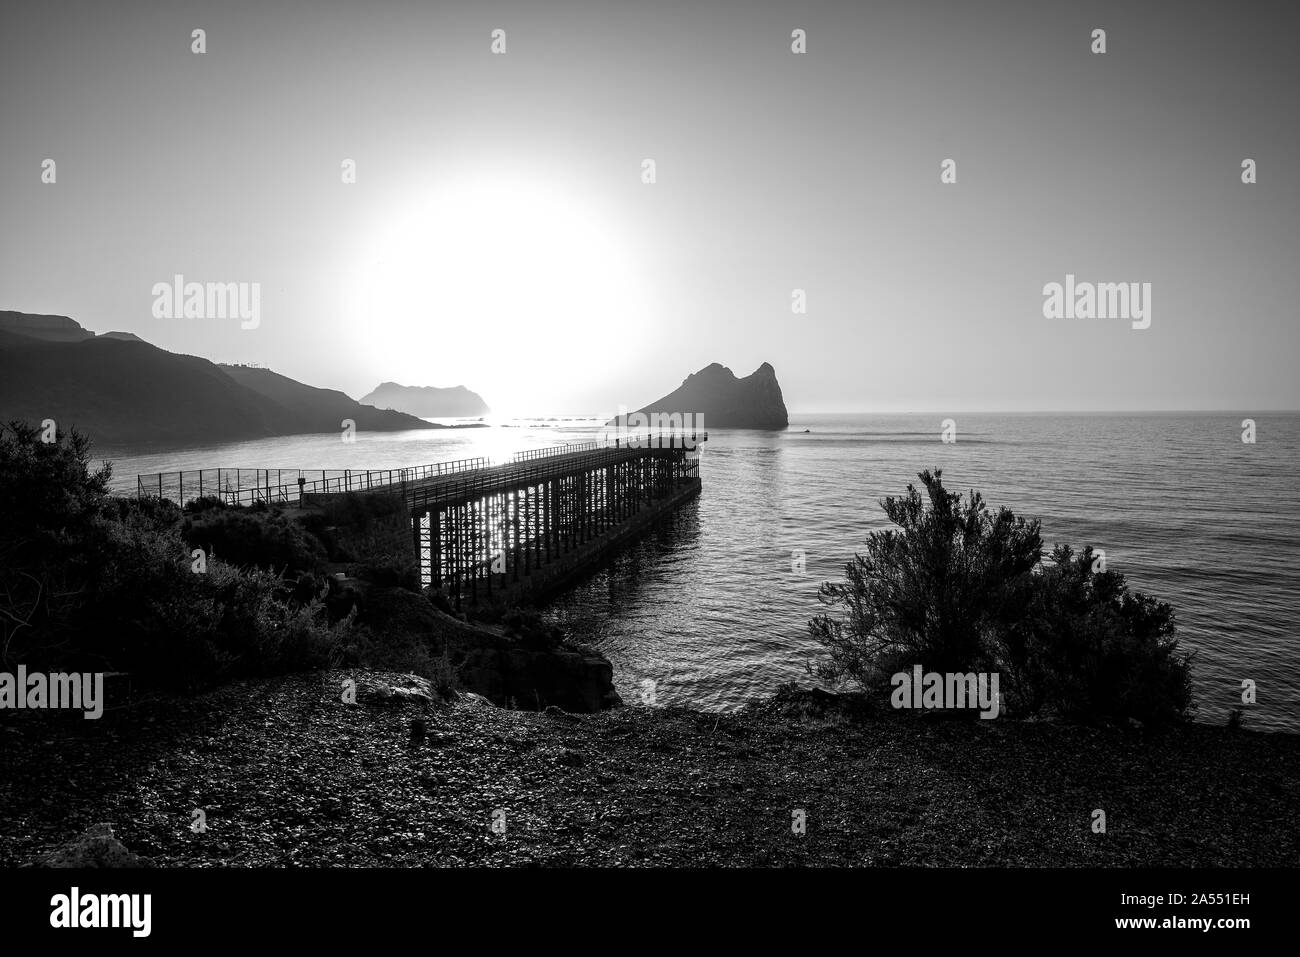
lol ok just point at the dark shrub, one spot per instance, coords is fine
(530, 629)
(89, 582)
(957, 589)
(438, 598)
(258, 537)
(372, 533)
(208, 503)
(1088, 647)
(930, 591)
(51, 506)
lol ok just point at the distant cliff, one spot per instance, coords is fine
(429, 402)
(120, 390)
(53, 328)
(726, 402)
(46, 328)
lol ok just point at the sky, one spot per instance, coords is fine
(500, 233)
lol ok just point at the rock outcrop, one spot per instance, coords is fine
(724, 401)
(96, 847)
(528, 672)
(428, 402)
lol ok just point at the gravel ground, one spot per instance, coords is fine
(288, 775)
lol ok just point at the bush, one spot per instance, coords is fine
(527, 626)
(50, 519)
(372, 533)
(438, 598)
(264, 538)
(208, 503)
(93, 583)
(930, 591)
(1087, 647)
(956, 588)
(180, 628)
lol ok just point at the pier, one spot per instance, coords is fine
(482, 531)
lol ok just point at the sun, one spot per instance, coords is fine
(507, 288)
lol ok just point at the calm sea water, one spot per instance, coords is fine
(714, 610)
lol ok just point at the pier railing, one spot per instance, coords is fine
(531, 472)
(553, 450)
(240, 486)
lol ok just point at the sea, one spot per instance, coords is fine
(711, 610)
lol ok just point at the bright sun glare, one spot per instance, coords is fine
(501, 287)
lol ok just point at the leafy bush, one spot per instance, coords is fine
(208, 503)
(1086, 646)
(180, 628)
(956, 588)
(50, 506)
(438, 598)
(370, 532)
(90, 582)
(929, 591)
(267, 539)
(527, 626)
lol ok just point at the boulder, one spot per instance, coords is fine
(508, 670)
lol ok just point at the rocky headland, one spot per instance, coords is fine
(723, 400)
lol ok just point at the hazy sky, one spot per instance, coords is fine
(499, 234)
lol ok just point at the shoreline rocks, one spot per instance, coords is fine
(94, 847)
(519, 672)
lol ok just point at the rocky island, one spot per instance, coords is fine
(428, 402)
(726, 402)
